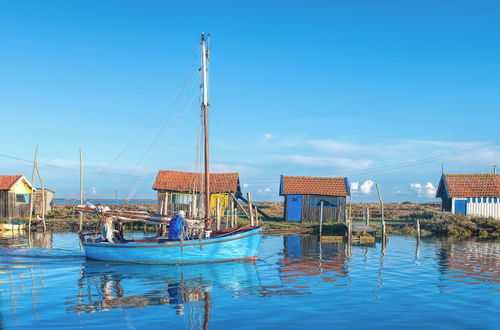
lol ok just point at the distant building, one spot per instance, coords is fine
(470, 194)
(38, 201)
(304, 196)
(15, 191)
(184, 191)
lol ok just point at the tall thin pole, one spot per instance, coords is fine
(32, 189)
(204, 69)
(381, 211)
(81, 187)
(43, 196)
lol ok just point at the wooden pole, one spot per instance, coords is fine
(367, 216)
(250, 208)
(231, 206)
(165, 204)
(239, 204)
(217, 213)
(32, 190)
(256, 215)
(321, 219)
(43, 196)
(381, 211)
(81, 188)
(418, 230)
(204, 68)
(235, 219)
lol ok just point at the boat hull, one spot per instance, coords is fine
(234, 247)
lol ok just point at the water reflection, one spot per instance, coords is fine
(33, 281)
(104, 286)
(306, 256)
(470, 262)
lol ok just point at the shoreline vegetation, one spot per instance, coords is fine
(400, 220)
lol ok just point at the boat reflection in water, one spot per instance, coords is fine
(105, 286)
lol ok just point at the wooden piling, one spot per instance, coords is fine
(217, 213)
(321, 219)
(43, 196)
(231, 208)
(418, 229)
(381, 211)
(250, 208)
(256, 215)
(32, 190)
(81, 188)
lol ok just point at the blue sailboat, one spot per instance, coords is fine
(204, 247)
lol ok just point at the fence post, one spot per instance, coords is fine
(250, 208)
(321, 219)
(381, 211)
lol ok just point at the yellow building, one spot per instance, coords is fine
(15, 192)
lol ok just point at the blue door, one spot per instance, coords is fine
(461, 207)
(294, 207)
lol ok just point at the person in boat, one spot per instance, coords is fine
(119, 231)
(107, 231)
(176, 225)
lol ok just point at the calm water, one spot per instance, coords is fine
(296, 283)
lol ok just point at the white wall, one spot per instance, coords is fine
(484, 209)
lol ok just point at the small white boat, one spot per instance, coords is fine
(12, 226)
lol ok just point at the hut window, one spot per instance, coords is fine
(327, 202)
(182, 198)
(22, 198)
(473, 199)
(496, 200)
(484, 199)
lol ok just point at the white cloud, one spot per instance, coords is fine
(267, 136)
(428, 190)
(264, 191)
(246, 185)
(93, 191)
(366, 187)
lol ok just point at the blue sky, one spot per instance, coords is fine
(379, 91)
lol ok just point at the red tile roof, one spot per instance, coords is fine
(304, 185)
(472, 185)
(8, 181)
(189, 181)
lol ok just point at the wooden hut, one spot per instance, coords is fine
(470, 194)
(305, 195)
(38, 200)
(183, 191)
(15, 192)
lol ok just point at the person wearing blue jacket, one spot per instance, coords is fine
(176, 225)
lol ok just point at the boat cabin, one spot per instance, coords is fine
(15, 192)
(470, 194)
(305, 196)
(184, 191)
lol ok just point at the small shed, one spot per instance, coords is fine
(470, 194)
(184, 191)
(15, 191)
(38, 200)
(305, 195)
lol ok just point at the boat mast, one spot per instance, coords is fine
(204, 57)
